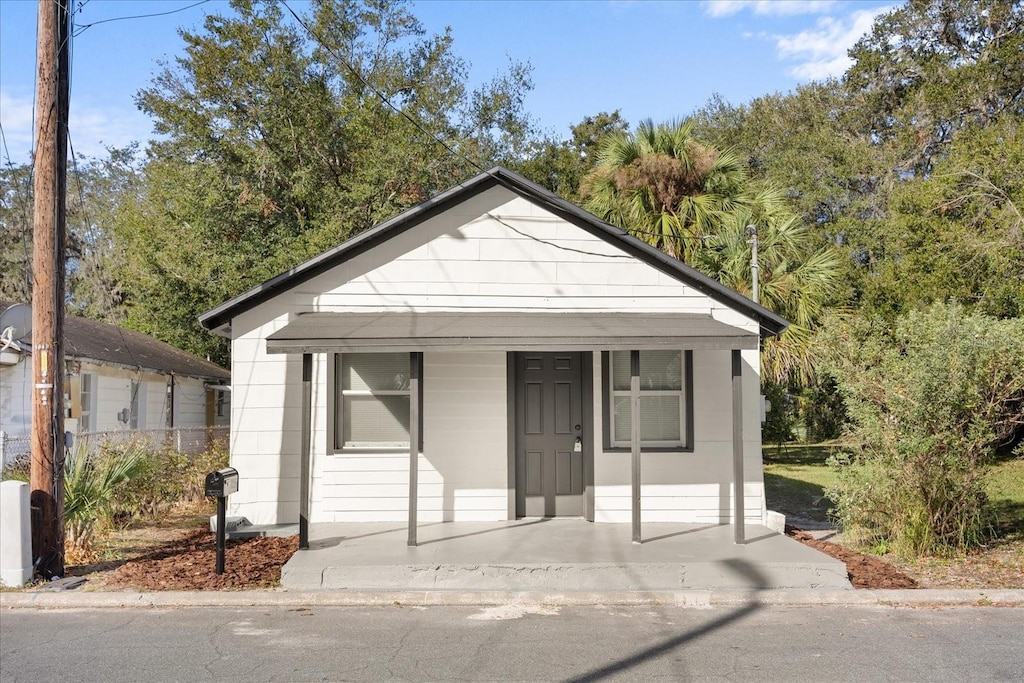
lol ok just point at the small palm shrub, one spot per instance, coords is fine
(91, 485)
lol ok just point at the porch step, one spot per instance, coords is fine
(555, 555)
(566, 577)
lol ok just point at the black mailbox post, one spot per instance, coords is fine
(221, 484)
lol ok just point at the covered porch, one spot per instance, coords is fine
(549, 331)
(548, 555)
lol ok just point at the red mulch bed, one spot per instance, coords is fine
(189, 563)
(864, 571)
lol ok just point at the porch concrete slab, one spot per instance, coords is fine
(555, 555)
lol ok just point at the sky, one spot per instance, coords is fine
(648, 59)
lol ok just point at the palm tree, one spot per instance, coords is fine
(664, 186)
(695, 202)
(797, 280)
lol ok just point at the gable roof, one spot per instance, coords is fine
(86, 339)
(219, 318)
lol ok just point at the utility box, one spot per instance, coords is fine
(15, 534)
(222, 483)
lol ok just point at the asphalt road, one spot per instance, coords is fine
(504, 643)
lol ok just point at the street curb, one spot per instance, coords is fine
(705, 599)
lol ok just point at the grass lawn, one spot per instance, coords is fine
(795, 479)
(1005, 489)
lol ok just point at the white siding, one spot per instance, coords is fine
(16, 397)
(189, 402)
(154, 393)
(493, 252)
(114, 394)
(497, 251)
(463, 467)
(689, 487)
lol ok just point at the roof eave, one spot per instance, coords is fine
(218, 320)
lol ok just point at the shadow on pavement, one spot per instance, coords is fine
(742, 567)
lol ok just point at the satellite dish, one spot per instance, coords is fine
(18, 318)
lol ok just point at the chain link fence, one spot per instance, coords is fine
(185, 440)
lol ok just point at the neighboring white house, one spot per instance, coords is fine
(489, 335)
(117, 380)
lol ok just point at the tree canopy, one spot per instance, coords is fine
(281, 137)
(702, 206)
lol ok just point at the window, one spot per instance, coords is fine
(372, 400)
(137, 417)
(87, 399)
(666, 416)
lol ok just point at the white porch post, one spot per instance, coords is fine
(415, 429)
(304, 455)
(634, 413)
(737, 447)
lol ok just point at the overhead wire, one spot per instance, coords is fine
(433, 137)
(86, 220)
(80, 29)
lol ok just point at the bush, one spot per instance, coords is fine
(930, 397)
(781, 419)
(91, 484)
(822, 411)
(166, 479)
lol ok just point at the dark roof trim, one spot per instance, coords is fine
(220, 317)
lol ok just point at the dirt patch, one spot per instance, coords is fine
(865, 571)
(998, 566)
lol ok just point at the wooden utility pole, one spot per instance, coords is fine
(48, 230)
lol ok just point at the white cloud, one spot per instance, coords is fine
(16, 120)
(92, 127)
(821, 51)
(727, 8)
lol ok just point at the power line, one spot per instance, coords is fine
(87, 223)
(83, 27)
(451, 150)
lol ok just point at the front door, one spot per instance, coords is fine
(549, 434)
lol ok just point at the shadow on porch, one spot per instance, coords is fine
(553, 555)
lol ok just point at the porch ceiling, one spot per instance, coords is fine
(503, 331)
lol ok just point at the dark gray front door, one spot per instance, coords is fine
(549, 434)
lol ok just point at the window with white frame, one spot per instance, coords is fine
(665, 400)
(87, 402)
(372, 400)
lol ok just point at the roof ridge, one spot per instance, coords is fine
(219, 317)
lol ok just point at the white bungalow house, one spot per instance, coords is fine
(117, 381)
(491, 354)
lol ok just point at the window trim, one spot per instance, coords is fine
(87, 418)
(335, 405)
(137, 405)
(607, 396)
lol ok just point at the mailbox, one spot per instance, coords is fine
(222, 483)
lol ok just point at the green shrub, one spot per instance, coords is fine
(930, 398)
(822, 411)
(17, 470)
(781, 418)
(91, 485)
(166, 479)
